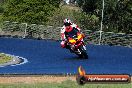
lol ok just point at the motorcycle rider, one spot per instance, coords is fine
(69, 29)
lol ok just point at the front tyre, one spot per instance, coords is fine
(83, 52)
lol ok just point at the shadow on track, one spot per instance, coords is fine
(74, 58)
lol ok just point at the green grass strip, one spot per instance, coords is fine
(65, 84)
(4, 58)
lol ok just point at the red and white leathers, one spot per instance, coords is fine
(65, 31)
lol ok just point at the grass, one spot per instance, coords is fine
(4, 58)
(65, 84)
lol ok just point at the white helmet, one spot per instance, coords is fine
(67, 22)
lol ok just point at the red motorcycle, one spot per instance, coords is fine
(77, 46)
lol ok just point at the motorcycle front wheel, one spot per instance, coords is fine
(83, 54)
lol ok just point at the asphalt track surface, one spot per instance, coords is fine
(47, 57)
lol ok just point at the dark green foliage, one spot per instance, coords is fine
(80, 2)
(118, 16)
(117, 13)
(30, 11)
(1, 9)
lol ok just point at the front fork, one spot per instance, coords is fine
(80, 44)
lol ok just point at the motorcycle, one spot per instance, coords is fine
(77, 46)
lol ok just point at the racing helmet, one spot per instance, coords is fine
(67, 22)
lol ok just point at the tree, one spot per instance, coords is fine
(30, 11)
(88, 6)
(80, 2)
(1, 9)
(117, 13)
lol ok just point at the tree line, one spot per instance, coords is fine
(117, 13)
